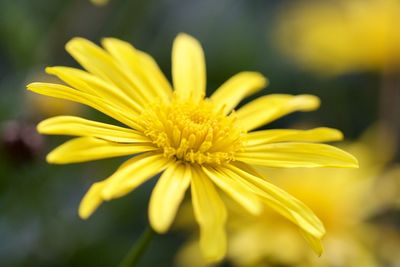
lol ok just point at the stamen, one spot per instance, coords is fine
(192, 132)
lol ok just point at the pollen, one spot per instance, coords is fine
(194, 132)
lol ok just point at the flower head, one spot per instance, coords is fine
(193, 141)
(192, 132)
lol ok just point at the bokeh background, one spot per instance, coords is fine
(39, 225)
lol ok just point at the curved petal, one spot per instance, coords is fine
(210, 213)
(140, 68)
(91, 201)
(89, 148)
(238, 87)
(321, 134)
(167, 195)
(279, 200)
(314, 242)
(292, 155)
(76, 126)
(188, 68)
(237, 191)
(100, 63)
(133, 173)
(93, 85)
(125, 116)
(154, 76)
(138, 169)
(268, 108)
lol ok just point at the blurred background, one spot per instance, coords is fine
(345, 52)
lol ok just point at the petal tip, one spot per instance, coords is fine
(109, 41)
(262, 80)
(356, 165)
(51, 158)
(265, 81)
(339, 135)
(83, 214)
(184, 35)
(91, 201)
(54, 157)
(319, 251)
(352, 161)
(334, 134)
(31, 86)
(50, 70)
(309, 102)
(75, 43)
(158, 227)
(40, 127)
(186, 38)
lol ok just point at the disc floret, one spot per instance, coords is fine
(193, 132)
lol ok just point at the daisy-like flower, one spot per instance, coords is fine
(193, 141)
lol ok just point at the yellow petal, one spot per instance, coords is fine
(321, 134)
(100, 63)
(154, 76)
(188, 68)
(292, 155)
(140, 68)
(75, 126)
(279, 200)
(314, 242)
(64, 92)
(88, 148)
(237, 88)
(268, 108)
(93, 85)
(91, 201)
(144, 171)
(133, 173)
(210, 213)
(236, 190)
(167, 195)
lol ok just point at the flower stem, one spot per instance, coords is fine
(137, 250)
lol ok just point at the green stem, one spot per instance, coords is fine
(137, 250)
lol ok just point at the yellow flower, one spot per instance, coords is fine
(335, 37)
(99, 2)
(192, 140)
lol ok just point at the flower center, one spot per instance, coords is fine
(192, 132)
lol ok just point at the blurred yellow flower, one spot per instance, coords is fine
(343, 199)
(334, 37)
(45, 106)
(192, 140)
(41, 107)
(99, 2)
